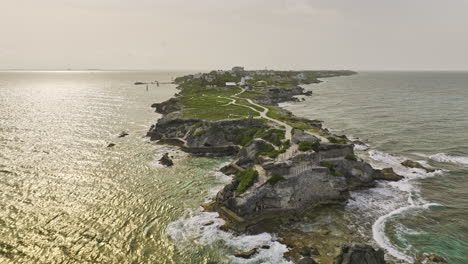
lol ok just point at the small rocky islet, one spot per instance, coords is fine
(284, 169)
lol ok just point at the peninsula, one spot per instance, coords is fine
(283, 166)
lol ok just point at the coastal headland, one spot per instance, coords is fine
(284, 168)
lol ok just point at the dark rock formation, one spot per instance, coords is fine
(388, 174)
(123, 134)
(275, 95)
(307, 260)
(166, 160)
(433, 259)
(247, 254)
(110, 145)
(414, 164)
(309, 179)
(168, 106)
(204, 137)
(360, 254)
(301, 136)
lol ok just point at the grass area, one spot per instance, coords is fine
(295, 122)
(213, 108)
(244, 102)
(275, 178)
(307, 145)
(246, 179)
(250, 94)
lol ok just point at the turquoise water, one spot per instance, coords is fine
(418, 115)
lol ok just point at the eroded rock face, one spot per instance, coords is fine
(168, 106)
(248, 155)
(358, 174)
(306, 182)
(275, 95)
(414, 164)
(201, 136)
(388, 174)
(301, 136)
(360, 254)
(309, 187)
(166, 160)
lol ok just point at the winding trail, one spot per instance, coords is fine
(264, 114)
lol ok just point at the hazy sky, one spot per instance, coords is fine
(212, 34)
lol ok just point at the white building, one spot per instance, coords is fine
(231, 84)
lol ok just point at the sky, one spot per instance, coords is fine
(219, 34)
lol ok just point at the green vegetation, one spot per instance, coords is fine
(307, 145)
(250, 94)
(205, 96)
(287, 117)
(275, 178)
(244, 137)
(273, 135)
(351, 157)
(246, 179)
(331, 166)
(265, 149)
(337, 140)
(199, 133)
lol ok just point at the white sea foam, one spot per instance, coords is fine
(442, 157)
(389, 199)
(361, 147)
(203, 229)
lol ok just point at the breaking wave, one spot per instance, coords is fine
(375, 207)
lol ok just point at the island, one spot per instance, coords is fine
(283, 167)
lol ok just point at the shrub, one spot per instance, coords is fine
(331, 166)
(199, 133)
(273, 135)
(264, 149)
(336, 140)
(275, 178)
(307, 145)
(351, 157)
(246, 179)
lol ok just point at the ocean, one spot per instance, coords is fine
(421, 116)
(65, 196)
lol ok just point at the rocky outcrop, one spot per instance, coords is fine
(414, 164)
(247, 254)
(169, 106)
(275, 95)
(166, 160)
(360, 254)
(307, 179)
(123, 134)
(301, 136)
(388, 174)
(204, 137)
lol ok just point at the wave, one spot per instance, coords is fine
(203, 230)
(375, 207)
(443, 157)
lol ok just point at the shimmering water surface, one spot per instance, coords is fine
(65, 197)
(417, 115)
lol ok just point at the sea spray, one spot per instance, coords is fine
(389, 199)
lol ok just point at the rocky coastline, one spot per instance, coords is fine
(283, 169)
